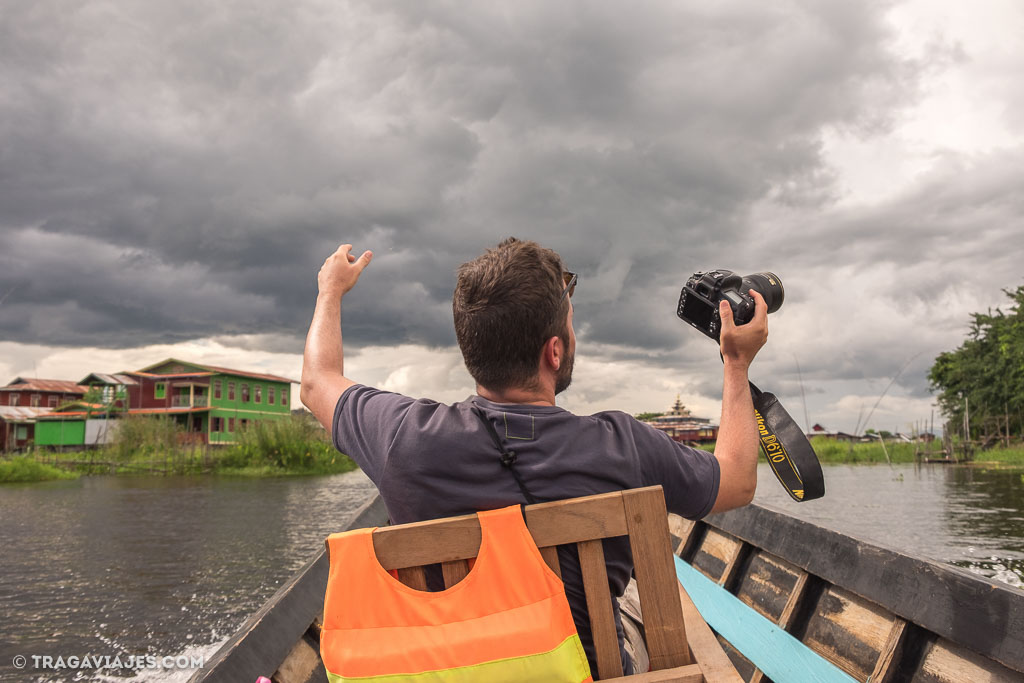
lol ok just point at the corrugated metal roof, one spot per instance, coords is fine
(21, 414)
(255, 375)
(133, 411)
(218, 369)
(110, 379)
(33, 384)
(174, 374)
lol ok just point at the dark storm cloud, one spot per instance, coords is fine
(176, 171)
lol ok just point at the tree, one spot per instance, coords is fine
(984, 376)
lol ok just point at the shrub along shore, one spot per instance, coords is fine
(296, 445)
(832, 452)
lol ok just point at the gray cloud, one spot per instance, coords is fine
(171, 172)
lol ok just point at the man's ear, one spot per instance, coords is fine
(552, 354)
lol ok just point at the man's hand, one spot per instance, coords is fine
(323, 363)
(741, 343)
(341, 271)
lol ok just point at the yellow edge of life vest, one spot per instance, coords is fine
(569, 656)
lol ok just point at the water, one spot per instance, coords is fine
(173, 565)
(972, 517)
(152, 565)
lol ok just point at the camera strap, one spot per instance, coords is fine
(506, 455)
(786, 446)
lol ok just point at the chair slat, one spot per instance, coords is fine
(458, 538)
(690, 673)
(454, 571)
(651, 544)
(550, 555)
(599, 607)
(413, 577)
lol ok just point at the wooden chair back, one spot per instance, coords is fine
(638, 513)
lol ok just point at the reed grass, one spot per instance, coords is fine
(24, 468)
(833, 452)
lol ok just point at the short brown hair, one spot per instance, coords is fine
(506, 306)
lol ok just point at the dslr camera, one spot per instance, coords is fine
(698, 302)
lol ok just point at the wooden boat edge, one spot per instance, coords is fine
(265, 639)
(984, 616)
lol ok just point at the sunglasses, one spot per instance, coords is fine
(570, 279)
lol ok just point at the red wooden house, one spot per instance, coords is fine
(24, 399)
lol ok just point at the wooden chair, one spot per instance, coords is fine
(638, 513)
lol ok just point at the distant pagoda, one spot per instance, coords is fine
(683, 426)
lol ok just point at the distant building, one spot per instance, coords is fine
(23, 400)
(211, 403)
(818, 430)
(682, 426)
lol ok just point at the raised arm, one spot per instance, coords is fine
(323, 362)
(738, 444)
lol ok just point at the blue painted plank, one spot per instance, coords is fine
(779, 655)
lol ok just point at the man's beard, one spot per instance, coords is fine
(564, 377)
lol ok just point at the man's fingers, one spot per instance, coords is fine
(760, 307)
(363, 260)
(725, 313)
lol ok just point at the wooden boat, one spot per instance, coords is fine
(787, 601)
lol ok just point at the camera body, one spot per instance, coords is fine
(698, 302)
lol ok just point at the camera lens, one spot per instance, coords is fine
(770, 287)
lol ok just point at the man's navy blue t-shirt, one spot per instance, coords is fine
(433, 460)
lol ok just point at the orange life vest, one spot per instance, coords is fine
(507, 620)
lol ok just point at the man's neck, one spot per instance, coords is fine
(541, 396)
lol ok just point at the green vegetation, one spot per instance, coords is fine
(294, 445)
(298, 445)
(24, 468)
(644, 417)
(833, 452)
(980, 385)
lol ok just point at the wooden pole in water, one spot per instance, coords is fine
(1006, 409)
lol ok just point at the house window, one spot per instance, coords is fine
(245, 393)
(52, 402)
(284, 396)
(160, 390)
(231, 424)
(216, 389)
(258, 393)
(12, 400)
(108, 394)
(36, 398)
(217, 424)
(270, 395)
(231, 392)
(22, 433)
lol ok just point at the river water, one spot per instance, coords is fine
(170, 566)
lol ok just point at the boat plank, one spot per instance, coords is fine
(979, 614)
(302, 665)
(779, 654)
(788, 611)
(885, 667)
(707, 651)
(848, 631)
(945, 662)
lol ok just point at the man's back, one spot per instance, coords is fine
(432, 460)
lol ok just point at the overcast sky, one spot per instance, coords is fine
(173, 174)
